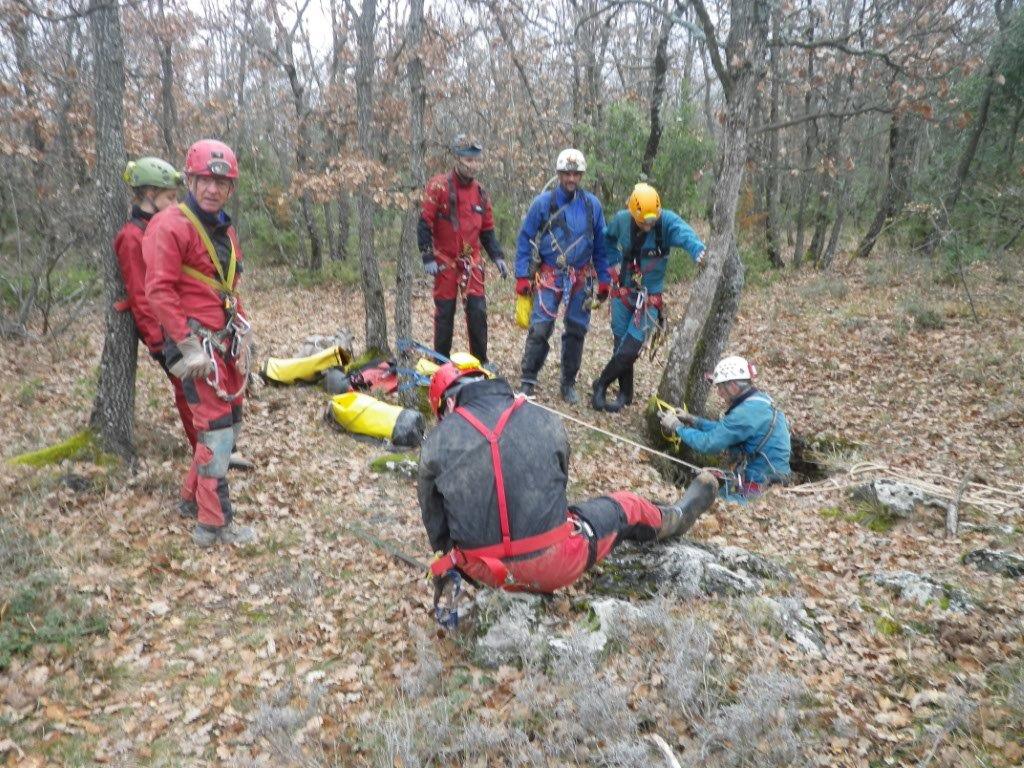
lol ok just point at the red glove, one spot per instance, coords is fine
(523, 286)
(602, 291)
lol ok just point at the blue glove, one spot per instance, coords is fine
(431, 267)
(502, 268)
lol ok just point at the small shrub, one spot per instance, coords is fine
(825, 287)
(41, 608)
(888, 627)
(926, 317)
(688, 667)
(425, 673)
(759, 730)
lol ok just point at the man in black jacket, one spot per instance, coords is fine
(492, 485)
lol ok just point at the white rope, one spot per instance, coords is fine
(620, 438)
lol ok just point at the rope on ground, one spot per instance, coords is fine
(994, 499)
(621, 439)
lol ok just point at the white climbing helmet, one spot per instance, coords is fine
(571, 160)
(733, 368)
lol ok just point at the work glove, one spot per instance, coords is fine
(431, 267)
(194, 363)
(686, 418)
(523, 286)
(502, 267)
(669, 422)
(246, 361)
(602, 292)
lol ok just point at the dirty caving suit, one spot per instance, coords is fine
(128, 249)
(497, 509)
(456, 219)
(636, 300)
(754, 434)
(567, 234)
(183, 248)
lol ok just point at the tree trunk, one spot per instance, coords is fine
(714, 298)
(408, 252)
(1011, 140)
(373, 289)
(772, 182)
(344, 202)
(304, 144)
(168, 114)
(659, 67)
(113, 413)
(829, 253)
(903, 136)
(940, 225)
(810, 142)
(332, 242)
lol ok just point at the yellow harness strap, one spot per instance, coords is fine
(225, 285)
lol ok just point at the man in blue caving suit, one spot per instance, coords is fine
(560, 256)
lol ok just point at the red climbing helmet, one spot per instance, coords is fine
(443, 378)
(209, 157)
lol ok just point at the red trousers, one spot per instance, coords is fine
(467, 274)
(560, 565)
(184, 412)
(216, 422)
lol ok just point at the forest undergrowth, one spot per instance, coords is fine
(122, 644)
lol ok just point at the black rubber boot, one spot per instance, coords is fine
(444, 325)
(572, 358)
(599, 395)
(476, 326)
(626, 352)
(626, 385)
(535, 352)
(678, 518)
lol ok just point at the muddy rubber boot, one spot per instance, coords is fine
(205, 537)
(626, 386)
(678, 518)
(612, 371)
(535, 352)
(569, 394)
(188, 509)
(239, 462)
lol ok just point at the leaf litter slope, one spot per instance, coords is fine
(290, 651)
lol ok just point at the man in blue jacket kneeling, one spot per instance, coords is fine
(752, 431)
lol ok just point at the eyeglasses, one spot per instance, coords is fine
(220, 182)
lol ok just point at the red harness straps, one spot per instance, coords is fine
(490, 555)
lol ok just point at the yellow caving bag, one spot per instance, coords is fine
(461, 360)
(290, 370)
(361, 414)
(524, 306)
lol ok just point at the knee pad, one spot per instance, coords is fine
(220, 442)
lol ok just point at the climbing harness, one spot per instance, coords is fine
(491, 556)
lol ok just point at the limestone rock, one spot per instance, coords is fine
(796, 623)
(923, 590)
(900, 499)
(993, 561)
(510, 627)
